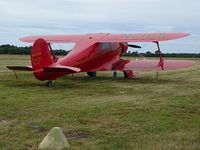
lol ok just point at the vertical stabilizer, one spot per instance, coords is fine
(41, 55)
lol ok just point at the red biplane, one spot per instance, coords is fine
(95, 52)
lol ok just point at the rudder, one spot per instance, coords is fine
(41, 57)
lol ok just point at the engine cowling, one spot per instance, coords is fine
(124, 47)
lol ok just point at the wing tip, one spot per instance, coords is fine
(185, 34)
(26, 39)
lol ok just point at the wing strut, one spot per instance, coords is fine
(15, 74)
(55, 59)
(161, 62)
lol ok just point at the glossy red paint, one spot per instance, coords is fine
(94, 52)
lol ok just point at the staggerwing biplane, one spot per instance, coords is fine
(95, 52)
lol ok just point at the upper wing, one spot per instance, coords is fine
(54, 38)
(140, 37)
(143, 37)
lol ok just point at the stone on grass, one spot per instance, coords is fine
(55, 140)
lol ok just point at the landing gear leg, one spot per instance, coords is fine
(115, 74)
(49, 83)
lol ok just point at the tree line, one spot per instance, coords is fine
(11, 49)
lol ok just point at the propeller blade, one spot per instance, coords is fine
(134, 46)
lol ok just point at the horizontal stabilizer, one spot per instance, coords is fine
(151, 65)
(60, 68)
(22, 68)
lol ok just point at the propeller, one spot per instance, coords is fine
(134, 46)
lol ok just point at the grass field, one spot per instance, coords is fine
(101, 113)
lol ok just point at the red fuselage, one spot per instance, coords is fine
(94, 58)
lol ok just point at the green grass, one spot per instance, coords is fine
(101, 113)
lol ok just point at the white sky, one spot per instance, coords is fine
(20, 18)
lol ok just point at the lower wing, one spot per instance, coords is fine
(151, 65)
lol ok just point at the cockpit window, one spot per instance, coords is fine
(105, 45)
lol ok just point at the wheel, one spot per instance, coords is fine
(49, 83)
(115, 74)
(91, 74)
(125, 74)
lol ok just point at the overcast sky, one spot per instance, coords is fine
(20, 18)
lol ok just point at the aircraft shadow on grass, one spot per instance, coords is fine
(72, 82)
